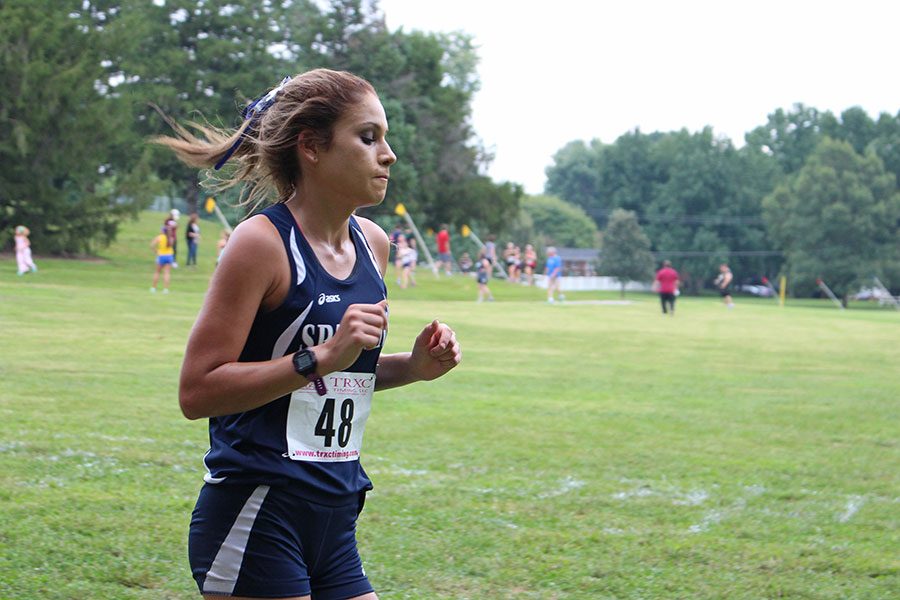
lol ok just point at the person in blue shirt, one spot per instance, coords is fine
(286, 352)
(553, 271)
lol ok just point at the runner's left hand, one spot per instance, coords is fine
(434, 352)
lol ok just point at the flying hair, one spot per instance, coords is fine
(261, 153)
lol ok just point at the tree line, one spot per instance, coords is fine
(810, 195)
(85, 82)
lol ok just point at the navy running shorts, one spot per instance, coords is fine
(267, 542)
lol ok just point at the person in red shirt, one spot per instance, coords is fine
(666, 283)
(445, 259)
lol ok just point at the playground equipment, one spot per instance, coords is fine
(829, 293)
(401, 211)
(211, 207)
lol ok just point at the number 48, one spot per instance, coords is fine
(325, 424)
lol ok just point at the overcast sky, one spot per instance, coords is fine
(561, 70)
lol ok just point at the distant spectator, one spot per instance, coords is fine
(406, 259)
(165, 256)
(723, 284)
(445, 258)
(666, 283)
(396, 233)
(529, 263)
(192, 236)
(511, 257)
(24, 262)
(490, 249)
(553, 271)
(170, 228)
(465, 263)
(482, 275)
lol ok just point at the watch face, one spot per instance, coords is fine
(304, 362)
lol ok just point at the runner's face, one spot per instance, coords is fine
(356, 166)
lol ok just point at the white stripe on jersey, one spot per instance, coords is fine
(287, 336)
(298, 259)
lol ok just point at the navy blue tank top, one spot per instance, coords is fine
(303, 440)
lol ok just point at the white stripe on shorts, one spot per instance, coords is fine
(223, 573)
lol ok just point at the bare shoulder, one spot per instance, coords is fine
(253, 262)
(254, 236)
(378, 241)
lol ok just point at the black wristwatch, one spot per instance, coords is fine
(305, 364)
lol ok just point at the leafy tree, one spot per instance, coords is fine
(57, 128)
(855, 127)
(632, 172)
(790, 136)
(837, 219)
(626, 249)
(426, 82)
(575, 174)
(559, 223)
(207, 59)
(708, 204)
(697, 197)
(886, 143)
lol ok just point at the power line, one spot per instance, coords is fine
(706, 253)
(686, 219)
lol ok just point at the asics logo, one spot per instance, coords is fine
(323, 298)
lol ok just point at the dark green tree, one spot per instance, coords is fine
(207, 59)
(790, 137)
(837, 218)
(426, 82)
(626, 249)
(696, 196)
(886, 143)
(58, 127)
(575, 175)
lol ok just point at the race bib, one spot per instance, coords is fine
(330, 428)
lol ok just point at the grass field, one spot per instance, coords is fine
(580, 451)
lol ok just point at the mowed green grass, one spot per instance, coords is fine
(580, 450)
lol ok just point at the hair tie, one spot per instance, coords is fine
(253, 112)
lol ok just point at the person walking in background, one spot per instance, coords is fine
(490, 248)
(409, 257)
(165, 256)
(445, 258)
(286, 352)
(529, 262)
(24, 261)
(482, 275)
(666, 283)
(723, 284)
(171, 229)
(553, 271)
(192, 237)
